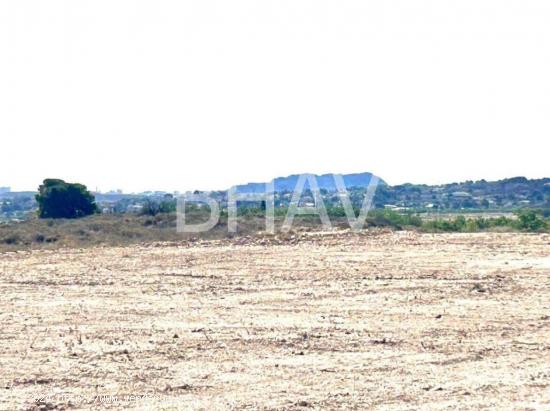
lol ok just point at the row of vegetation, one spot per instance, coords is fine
(124, 229)
(58, 199)
(525, 220)
(62, 204)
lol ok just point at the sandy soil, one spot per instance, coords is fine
(384, 321)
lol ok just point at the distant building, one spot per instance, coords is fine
(461, 194)
(135, 208)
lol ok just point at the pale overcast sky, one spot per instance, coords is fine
(176, 95)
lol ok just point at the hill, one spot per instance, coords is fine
(325, 182)
(507, 194)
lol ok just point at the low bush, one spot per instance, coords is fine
(390, 218)
(530, 220)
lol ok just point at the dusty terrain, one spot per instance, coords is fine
(385, 321)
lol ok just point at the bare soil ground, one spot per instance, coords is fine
(380, 320)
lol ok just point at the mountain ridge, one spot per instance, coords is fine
(325, 181)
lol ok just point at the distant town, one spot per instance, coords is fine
(506, 195)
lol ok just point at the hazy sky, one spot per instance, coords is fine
(204, 94)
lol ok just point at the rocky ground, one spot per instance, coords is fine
(379, 320)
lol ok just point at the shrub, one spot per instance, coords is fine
(529, 220)
(12, 239)
(393, 219)
(152, 208)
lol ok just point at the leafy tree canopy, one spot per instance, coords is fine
(58, 199)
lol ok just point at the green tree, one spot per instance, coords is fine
(58, 199)
(529, 220)
(152, 208)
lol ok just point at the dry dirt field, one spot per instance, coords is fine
(383, 321)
